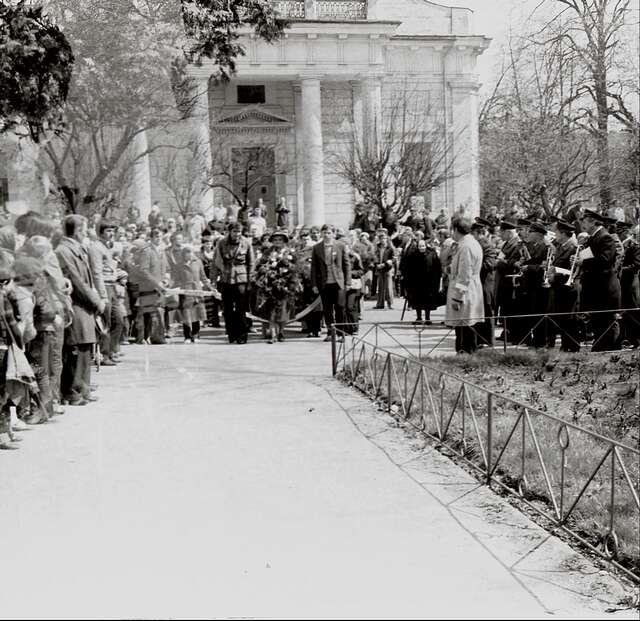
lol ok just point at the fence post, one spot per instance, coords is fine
(334, 361)
(504, 334)
(489, 434)
(389, 383)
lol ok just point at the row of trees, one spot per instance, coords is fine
(557, 129)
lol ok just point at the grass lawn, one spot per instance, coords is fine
(597, 393)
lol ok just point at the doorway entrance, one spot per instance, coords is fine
(254, 178)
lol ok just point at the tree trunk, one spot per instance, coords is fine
(602, 137)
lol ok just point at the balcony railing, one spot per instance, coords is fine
(291, 9)
(324, 9)
(341, 9)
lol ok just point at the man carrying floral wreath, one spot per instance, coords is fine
(233, 262)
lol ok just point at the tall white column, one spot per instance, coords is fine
(313, 173)
(297, 102)
(372, 100)
(466, 183)
(202, 137)
(141, 174)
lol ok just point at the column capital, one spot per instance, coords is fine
(309, 77)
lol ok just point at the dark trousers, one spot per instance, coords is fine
(114, 322)
(191, 331)
(76, 372)
(234, 310)
(606, 332)
(40, 352)
(333, 300)
(562, 299)
(466, 339)
(353, 310)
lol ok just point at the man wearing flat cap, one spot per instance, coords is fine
(233, 262)
(630, 285)
(600, 284)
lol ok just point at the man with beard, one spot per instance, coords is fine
(233, 262)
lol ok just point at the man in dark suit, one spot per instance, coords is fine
(563, 296)
(81, 334)
(330, 276)
(486, 329)
(600, 284)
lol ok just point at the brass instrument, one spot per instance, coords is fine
(547, 266)
(575, 266)
(525, 255)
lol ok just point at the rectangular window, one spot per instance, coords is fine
(251, 94)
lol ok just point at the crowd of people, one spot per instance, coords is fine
(75, 290)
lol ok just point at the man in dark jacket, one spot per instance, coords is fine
(485, 330)
(330, 277)
(629, 284)
(600, 284)
(81, 334)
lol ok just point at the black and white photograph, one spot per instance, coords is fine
(320, 309)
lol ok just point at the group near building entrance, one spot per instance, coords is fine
(340, 70)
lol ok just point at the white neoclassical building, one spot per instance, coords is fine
(342, 61)
(339, 62)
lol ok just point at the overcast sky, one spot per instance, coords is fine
(492, 19)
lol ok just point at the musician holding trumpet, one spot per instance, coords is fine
(600, 286)
(563, 294)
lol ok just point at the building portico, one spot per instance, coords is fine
(327, 72)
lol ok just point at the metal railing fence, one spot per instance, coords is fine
(570, 475)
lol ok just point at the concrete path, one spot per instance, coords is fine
(217, 480)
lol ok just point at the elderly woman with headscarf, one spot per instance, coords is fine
(465, 298)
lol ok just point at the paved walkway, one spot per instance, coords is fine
(217, 480)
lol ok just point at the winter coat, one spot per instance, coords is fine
(465, 284)
(421, 272)
(74, 262)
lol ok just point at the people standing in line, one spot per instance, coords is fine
(600, 284)
(81, 334)
(465, 300)
(234, 265)
(330, 276)
(384, 255)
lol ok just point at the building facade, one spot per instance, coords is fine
(341, 62)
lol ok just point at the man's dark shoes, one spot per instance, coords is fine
(109, 362)
(79, 401)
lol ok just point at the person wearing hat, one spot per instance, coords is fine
(533, 295)
(190, 275)
(486, 330)
(563, 297)
(599, 280)
(511, 256)
(630, 285)
(233, 265)
(612, 226)
(81, 335)
(278, 283)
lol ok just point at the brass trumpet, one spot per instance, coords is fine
(575, 266)
(548, 265)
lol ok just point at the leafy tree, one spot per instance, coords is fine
(131, 77)
(35, 70)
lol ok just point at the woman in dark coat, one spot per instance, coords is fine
(422, 280)
(353, 309)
